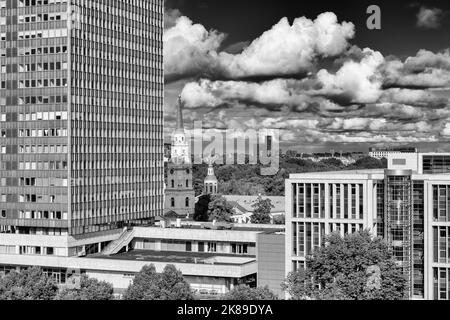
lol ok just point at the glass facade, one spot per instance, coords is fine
(81, 115)
(398, 191)
(379, 185)
(409, 210)
(436, 164)
(324, 208)
(440, 233)
(418, 238)
(441, 202)
(441, 283)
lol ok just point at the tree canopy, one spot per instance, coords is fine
(245, 293)
(219, 209)
(355, 267)
(29, 284)
(261, 213)
(201, 208)
(150, 285)
(90, 289)
(246, 179)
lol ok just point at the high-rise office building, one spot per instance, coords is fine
(407, 204)
(81, 122)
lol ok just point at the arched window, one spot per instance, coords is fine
(172, 202)
(187, 202)
(187, 183)
(173, 183)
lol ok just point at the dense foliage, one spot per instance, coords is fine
(247, 180)
(245, 293)
(201, 208)
(219, 209)
(150, 285)
(30, 284)
(355, 267)
(261, 213)
(90, 289)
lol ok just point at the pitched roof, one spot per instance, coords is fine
(244, 203)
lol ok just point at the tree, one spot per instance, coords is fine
(30, 284)
(261, 212)
(201, 208)
(245, 293)
(149, 285)
(90, 289)
(279, 219)
(368, 163)
(173, 286)
(332, 163)
(219, 209)
(355, 267)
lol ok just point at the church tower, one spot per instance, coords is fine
(211, 183)
(180, 195)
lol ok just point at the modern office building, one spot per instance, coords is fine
(408, 204)
(81, 123)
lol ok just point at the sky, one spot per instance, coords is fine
(313, 70)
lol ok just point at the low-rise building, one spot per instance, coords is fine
(243, 207)
(213, 257)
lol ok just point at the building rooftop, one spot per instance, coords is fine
(187, 224)
(179, 257)
(244, 203)
(342, 172)
(363, 174)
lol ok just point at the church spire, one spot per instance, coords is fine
(180, 124)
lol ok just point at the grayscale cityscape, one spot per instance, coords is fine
(224, 150)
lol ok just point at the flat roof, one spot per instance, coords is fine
(329, 174)
(235, 227)
(363, 174)
(179, 257)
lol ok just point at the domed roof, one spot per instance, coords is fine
(211, 177)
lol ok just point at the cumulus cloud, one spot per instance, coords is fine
(289, 49)
(424, 70)
(191, 50)
(187, 48)
(429, 18)
(217, 93)
(275, 81)
(425, 59)
(446, 130)
(359, 81)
